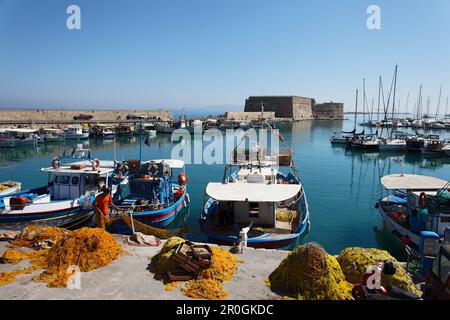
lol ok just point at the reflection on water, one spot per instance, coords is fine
(342, 186)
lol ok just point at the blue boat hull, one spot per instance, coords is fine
(161, 218)
(66, 218)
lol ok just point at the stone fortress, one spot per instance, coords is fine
(291, 107)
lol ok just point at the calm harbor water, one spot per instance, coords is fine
(341, 186)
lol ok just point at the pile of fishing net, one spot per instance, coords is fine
(207, 283)
(355, 262)
(310, 273)
(85, 249)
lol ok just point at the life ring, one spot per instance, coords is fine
(95, 164)
(153, 170)
(56, 162)
(182, 179)
(125, 169)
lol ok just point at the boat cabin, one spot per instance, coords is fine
(267, 205)
(414, 193)
(151, 183)
(77, 179)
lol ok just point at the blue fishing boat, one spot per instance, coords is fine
(153, 196)
(66, 200)
(256, 204)
(415, 204)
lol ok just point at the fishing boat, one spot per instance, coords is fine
(66, 200)
(124, 131)
(256, 203)
(9, 187)
(52, 135)
(18, 137)
(75, 133)
(415, 203)
(153, 196)
(165, 128)
(256, 196)
(103, 131)
(433, 148)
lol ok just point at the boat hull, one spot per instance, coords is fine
(65, 218)
(399, 232)
(162, 218)
(262, 240)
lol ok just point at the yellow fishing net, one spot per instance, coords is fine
(11, 256)
(208, 282)
(310, 273)
(355, 262)
(86, 248)
(38, 236)
(146, 229)
(285, 215)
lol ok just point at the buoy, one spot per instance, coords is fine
(56, 162)
(182, 179)
(95, 164)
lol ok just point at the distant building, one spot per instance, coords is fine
(328, 111)
(249, 116)
(294, 107)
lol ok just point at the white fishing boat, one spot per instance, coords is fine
(103, 131)
(75, 133)
(257, 203)
(9, 187)
(66, 200)
(415, 203)
(52, 135)
(10, 138)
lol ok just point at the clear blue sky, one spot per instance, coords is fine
(213, 54)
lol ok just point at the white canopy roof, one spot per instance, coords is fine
(411, 182)
(173, 163)
(22, 130)
(252, 192)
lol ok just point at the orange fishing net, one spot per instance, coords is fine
(86, 248)
(208, 282)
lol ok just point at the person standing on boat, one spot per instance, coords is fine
(102, 203)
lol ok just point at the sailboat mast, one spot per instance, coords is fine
(446, 108)
(439, 102)
(364, 101)
(393, 101)
(419, 103)
(356, 108)
(407, 106)
(379, 97)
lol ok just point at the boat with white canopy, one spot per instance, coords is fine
(256, 204)
(415, 203)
